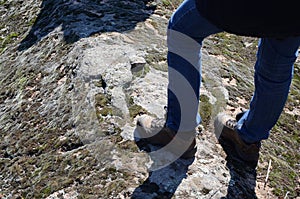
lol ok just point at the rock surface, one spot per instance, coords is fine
(75, 75)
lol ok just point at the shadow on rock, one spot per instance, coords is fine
(161, 183)
(243, 175)
(83, 18)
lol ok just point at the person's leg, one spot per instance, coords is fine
(273, 75)
(186, 31)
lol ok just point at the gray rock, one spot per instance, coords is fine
(137, 63)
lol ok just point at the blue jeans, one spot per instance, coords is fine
(273, 75)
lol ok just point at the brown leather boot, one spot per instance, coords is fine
(227, 131)
(155, 132)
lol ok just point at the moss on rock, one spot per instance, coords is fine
(205, 110)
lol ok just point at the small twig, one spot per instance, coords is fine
(286, 195)
(268, 172)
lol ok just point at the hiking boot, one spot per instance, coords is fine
(155, 132)
(227, 127)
